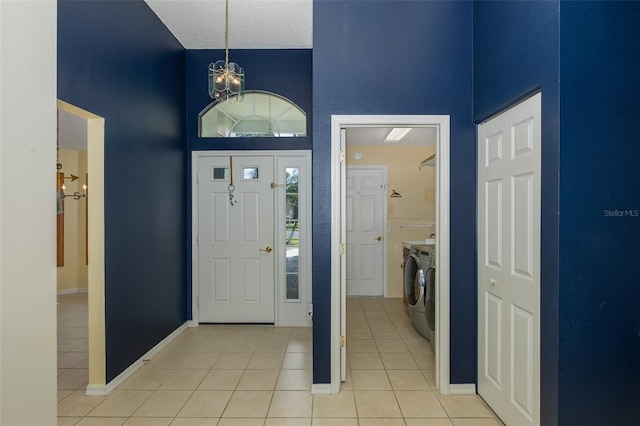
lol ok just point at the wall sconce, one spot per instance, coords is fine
(395, 194)
(76, 195)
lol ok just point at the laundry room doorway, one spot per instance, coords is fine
(339, 264)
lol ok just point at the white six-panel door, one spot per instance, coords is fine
(509, 263)
(236, 239)
(365, 208)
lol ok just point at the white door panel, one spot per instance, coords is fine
(365, 204)
(236, 269)
(509, 263)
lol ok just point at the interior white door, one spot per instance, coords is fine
(365, 206)
(235, 239)
(509, 263)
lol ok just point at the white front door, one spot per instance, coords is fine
(509, 263)
(236, 239)
(365, 210)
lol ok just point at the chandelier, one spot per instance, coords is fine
(226, 79)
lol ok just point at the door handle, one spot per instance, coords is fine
(379, 238)
(267, 249)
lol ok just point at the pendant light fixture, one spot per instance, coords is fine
(226, 79)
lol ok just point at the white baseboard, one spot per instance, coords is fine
(73, 291)
(462, 389)
(321, 389)
(102, 390)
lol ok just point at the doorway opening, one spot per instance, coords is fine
(83, 130)
(339, 124)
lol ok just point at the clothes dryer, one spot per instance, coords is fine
(416, 266)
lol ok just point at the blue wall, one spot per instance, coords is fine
(510, 60)
(396, 57)
(117, 60)
(599, 353)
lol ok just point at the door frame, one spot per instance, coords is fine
(338, 148)
(383, 169)
(304, 214)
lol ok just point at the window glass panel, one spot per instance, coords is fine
(220, 173)
(293, 287)
(250, 173)
(292, 232)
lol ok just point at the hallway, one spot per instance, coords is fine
(261, 375)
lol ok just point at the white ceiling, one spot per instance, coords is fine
(253, 24)
(375, 136)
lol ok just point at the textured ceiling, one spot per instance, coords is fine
(253, 24)
(375, 136)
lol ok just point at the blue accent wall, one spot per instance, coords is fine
(117, 60)
(599, 335)
(396, 57)
(511, 60)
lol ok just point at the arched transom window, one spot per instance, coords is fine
(260, 114)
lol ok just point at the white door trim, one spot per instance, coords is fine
(442, 123)
(306, 214)
(382, 168)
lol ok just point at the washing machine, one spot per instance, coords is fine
(415, 275)
(430, 305)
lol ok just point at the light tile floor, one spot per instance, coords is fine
(261, 375)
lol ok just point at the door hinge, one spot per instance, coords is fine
(342, 156)
(342, 341)
(276, 185)
(198, 239)
(341, 248)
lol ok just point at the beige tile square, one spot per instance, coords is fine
(277, 333)
(399, 362)
(475, 422)
(420, 404)
(78, 404)
(408, 380)
(381, 422)
(121, 403)
(301, 333)
(316, 421)
(365, 361)
(297, 361)
(63, 393)
(353, 323)
(75, 378)
(418, 346)
(294, 380)
(248, 404)
(233, 361)
(221, 380)
(241, 422)
(391, 346)
(362, 345)
(291, 404)
(408, 332)
(68, 421)
(205, 404)
(275, 421)
(464, 406)
(370, 380)
(102, 421)
(272, 345)
(152, 421)
(258, 380)
(247, 344)
(359, 333)
(425, 361)
(146, 379)
(193, 421)
(430, 375)
(266, 361)
(385, 334)
(428, 422)
(183, 380)
(199, 361)
(166, 360)
(71, 359)
(302, 345)
(377, 404)
(163, 404)
(376, 324)
(340, 405)
(213, 345)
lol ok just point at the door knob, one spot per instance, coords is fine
(492, 282)
(379, 238)
(267, 249)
